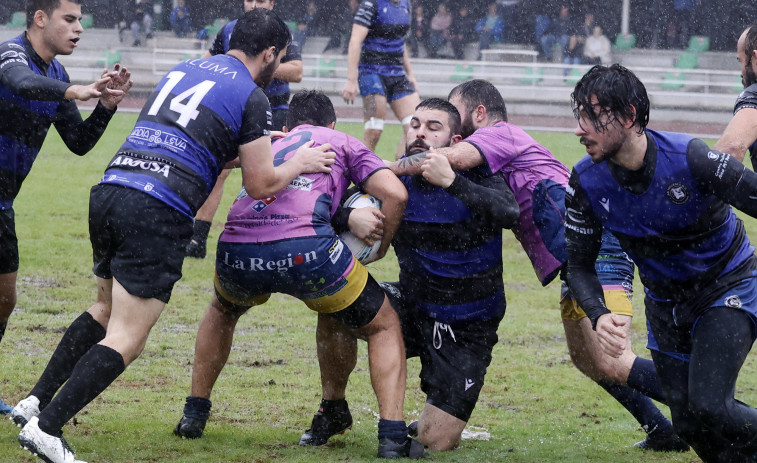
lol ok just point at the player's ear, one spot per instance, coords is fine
(332, 125)
(39, 18)
(269, 55)
(455, 140)
(285, 129)
(480, 113)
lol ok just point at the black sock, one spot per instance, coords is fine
(3, 325)
(643, 378)
(83, 333)
(197, 408)
(394, 430)
(201, 230)
(96, 370)
(639, 405)
(330, 406)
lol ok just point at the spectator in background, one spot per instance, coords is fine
(598, 49)
(459, 31)
(490, 28)
(682, 21)
(141, 21)
(558, 32)
(418, 31)
(306, 24)
(574, 50)
(440, 24)
(180, 19)
(338, 23)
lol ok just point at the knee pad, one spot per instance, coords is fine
(406, 121)
(374, 124)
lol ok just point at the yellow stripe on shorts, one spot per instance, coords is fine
(356, 280)
(618, 301)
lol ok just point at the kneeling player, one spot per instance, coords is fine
(302, 256)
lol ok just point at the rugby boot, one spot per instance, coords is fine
(328, 423)
(658, 440)
(25, 410)
(196, 414)
(49, 449)
(5, 408)
(412, 429)
(410, 448)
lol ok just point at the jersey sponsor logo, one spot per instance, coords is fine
(13, 56)
(146, 135)
(212, 67)
(605, 202)
(733, 302)
(678, 193)
(469, 383)
(160, 168)
(335, 251)
(301, 183)
(258, 264)
(723, 158)
(581, 230)
(261, 204)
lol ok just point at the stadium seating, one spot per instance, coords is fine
(687, 60)
(87, 21)
(109, 58)
(698, 43)
(574, 75)
(625, 41)
(673, 80)
(326, 67)
(292, 26)
(18, 19)
(532, 75)
(463, 72)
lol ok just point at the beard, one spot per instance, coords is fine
(466, 127)
(266, 75)
(749, 77)
(419, 146)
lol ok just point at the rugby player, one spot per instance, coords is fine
(538, 181)
(450, 296)
(203, 114)
(378, 64)
(290, 70)
(286, 244)
(666, 197)
(741, 133)
(35, 92)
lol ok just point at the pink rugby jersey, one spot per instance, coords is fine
(306, 205)
(508, 149)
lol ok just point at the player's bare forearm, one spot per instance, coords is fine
(291, 71)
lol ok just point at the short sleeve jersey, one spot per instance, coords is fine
(388, 23)
(509, 150)
(24, 122)
(748, 99)
(190, 127)
(278, 90)
(306, 205)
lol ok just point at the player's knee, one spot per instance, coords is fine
(374, 123)
(7, 304)
(709, 408)
(439, 439)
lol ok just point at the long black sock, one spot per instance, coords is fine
(201, 230)
(639, 405)
(643, 378)
(96, 370)
(83, 333)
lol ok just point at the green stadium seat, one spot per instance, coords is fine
(699, 43)
(292, 26)
(86, 21)
(109, 58)
(532, 75)
(326, 67)
(188, 56)
(574, 75)
(687, 60)
(218, 23)
(18, 19)
(625, 41)
(738, 85)
(673, 80)
(463, 72)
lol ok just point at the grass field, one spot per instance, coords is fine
(536, 406)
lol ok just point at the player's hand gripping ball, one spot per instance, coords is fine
(362, 252)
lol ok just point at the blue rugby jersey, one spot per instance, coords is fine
(748, 99)
(449, 247)
(278, 90)
(190, 127)
(31, 100)
(388, 23)
(671, 217)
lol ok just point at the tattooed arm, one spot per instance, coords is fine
(462, 156)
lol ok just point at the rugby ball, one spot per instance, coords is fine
(362, 252)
